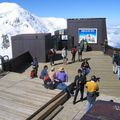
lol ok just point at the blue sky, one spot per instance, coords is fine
(72, 8)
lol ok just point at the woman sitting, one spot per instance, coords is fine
(85, 67)
(62, 77)
(52, 83)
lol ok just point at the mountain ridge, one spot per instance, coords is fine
(16, 20)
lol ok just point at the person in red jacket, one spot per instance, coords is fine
(73, 52)
(51, 56)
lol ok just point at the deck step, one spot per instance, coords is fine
(50, 108)
(55, 112)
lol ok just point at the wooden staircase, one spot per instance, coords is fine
(56, 103)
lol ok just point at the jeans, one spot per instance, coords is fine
(118, 72)
(86, 71)
(90, 101)
(62, 86)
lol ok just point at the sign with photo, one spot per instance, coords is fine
(88, 34)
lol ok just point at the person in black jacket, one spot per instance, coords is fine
(79, 82)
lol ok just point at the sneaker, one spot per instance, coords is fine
(81, 99)
(74, 102)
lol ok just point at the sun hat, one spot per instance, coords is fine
(61, 69)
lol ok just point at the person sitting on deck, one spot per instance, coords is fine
(44, 75)
(85, 67)
(52, 83)
(35, 66)
(32, 73)
(62, 77)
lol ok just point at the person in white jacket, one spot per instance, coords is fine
(64, 55)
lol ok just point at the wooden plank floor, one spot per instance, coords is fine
(101, 66)
(109, 85)
(21, 97)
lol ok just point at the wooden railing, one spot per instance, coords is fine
(111, 49)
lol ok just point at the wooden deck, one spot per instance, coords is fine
(109, 85)
(21, 97)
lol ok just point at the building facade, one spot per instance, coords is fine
(91, 29)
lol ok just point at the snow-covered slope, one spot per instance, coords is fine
(15, 20)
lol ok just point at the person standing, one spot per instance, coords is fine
(105, 45)
(51, 56)
(92, 88)
(118, 66)
(73, 52)
(80, 50)
(114, 61)
(64, 55)
(79, 83)
(85, 45)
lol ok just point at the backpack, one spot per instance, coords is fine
(46, 77)
(32, 74)
(73, 51)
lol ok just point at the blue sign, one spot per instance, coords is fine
(88, 34)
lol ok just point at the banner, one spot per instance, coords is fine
(88, 34)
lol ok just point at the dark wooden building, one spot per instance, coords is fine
(37, 44)
(60, 38)
(98, 25)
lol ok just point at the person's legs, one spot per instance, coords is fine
(62, 86)
(36, 70)
(88, 105)
(81, 56)
(118, 72)
(51, 61)
(115, 69)
(65, 60)
(76, 94)
(78, 56)
(82, 93)
(72, 57)
(90, 101)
